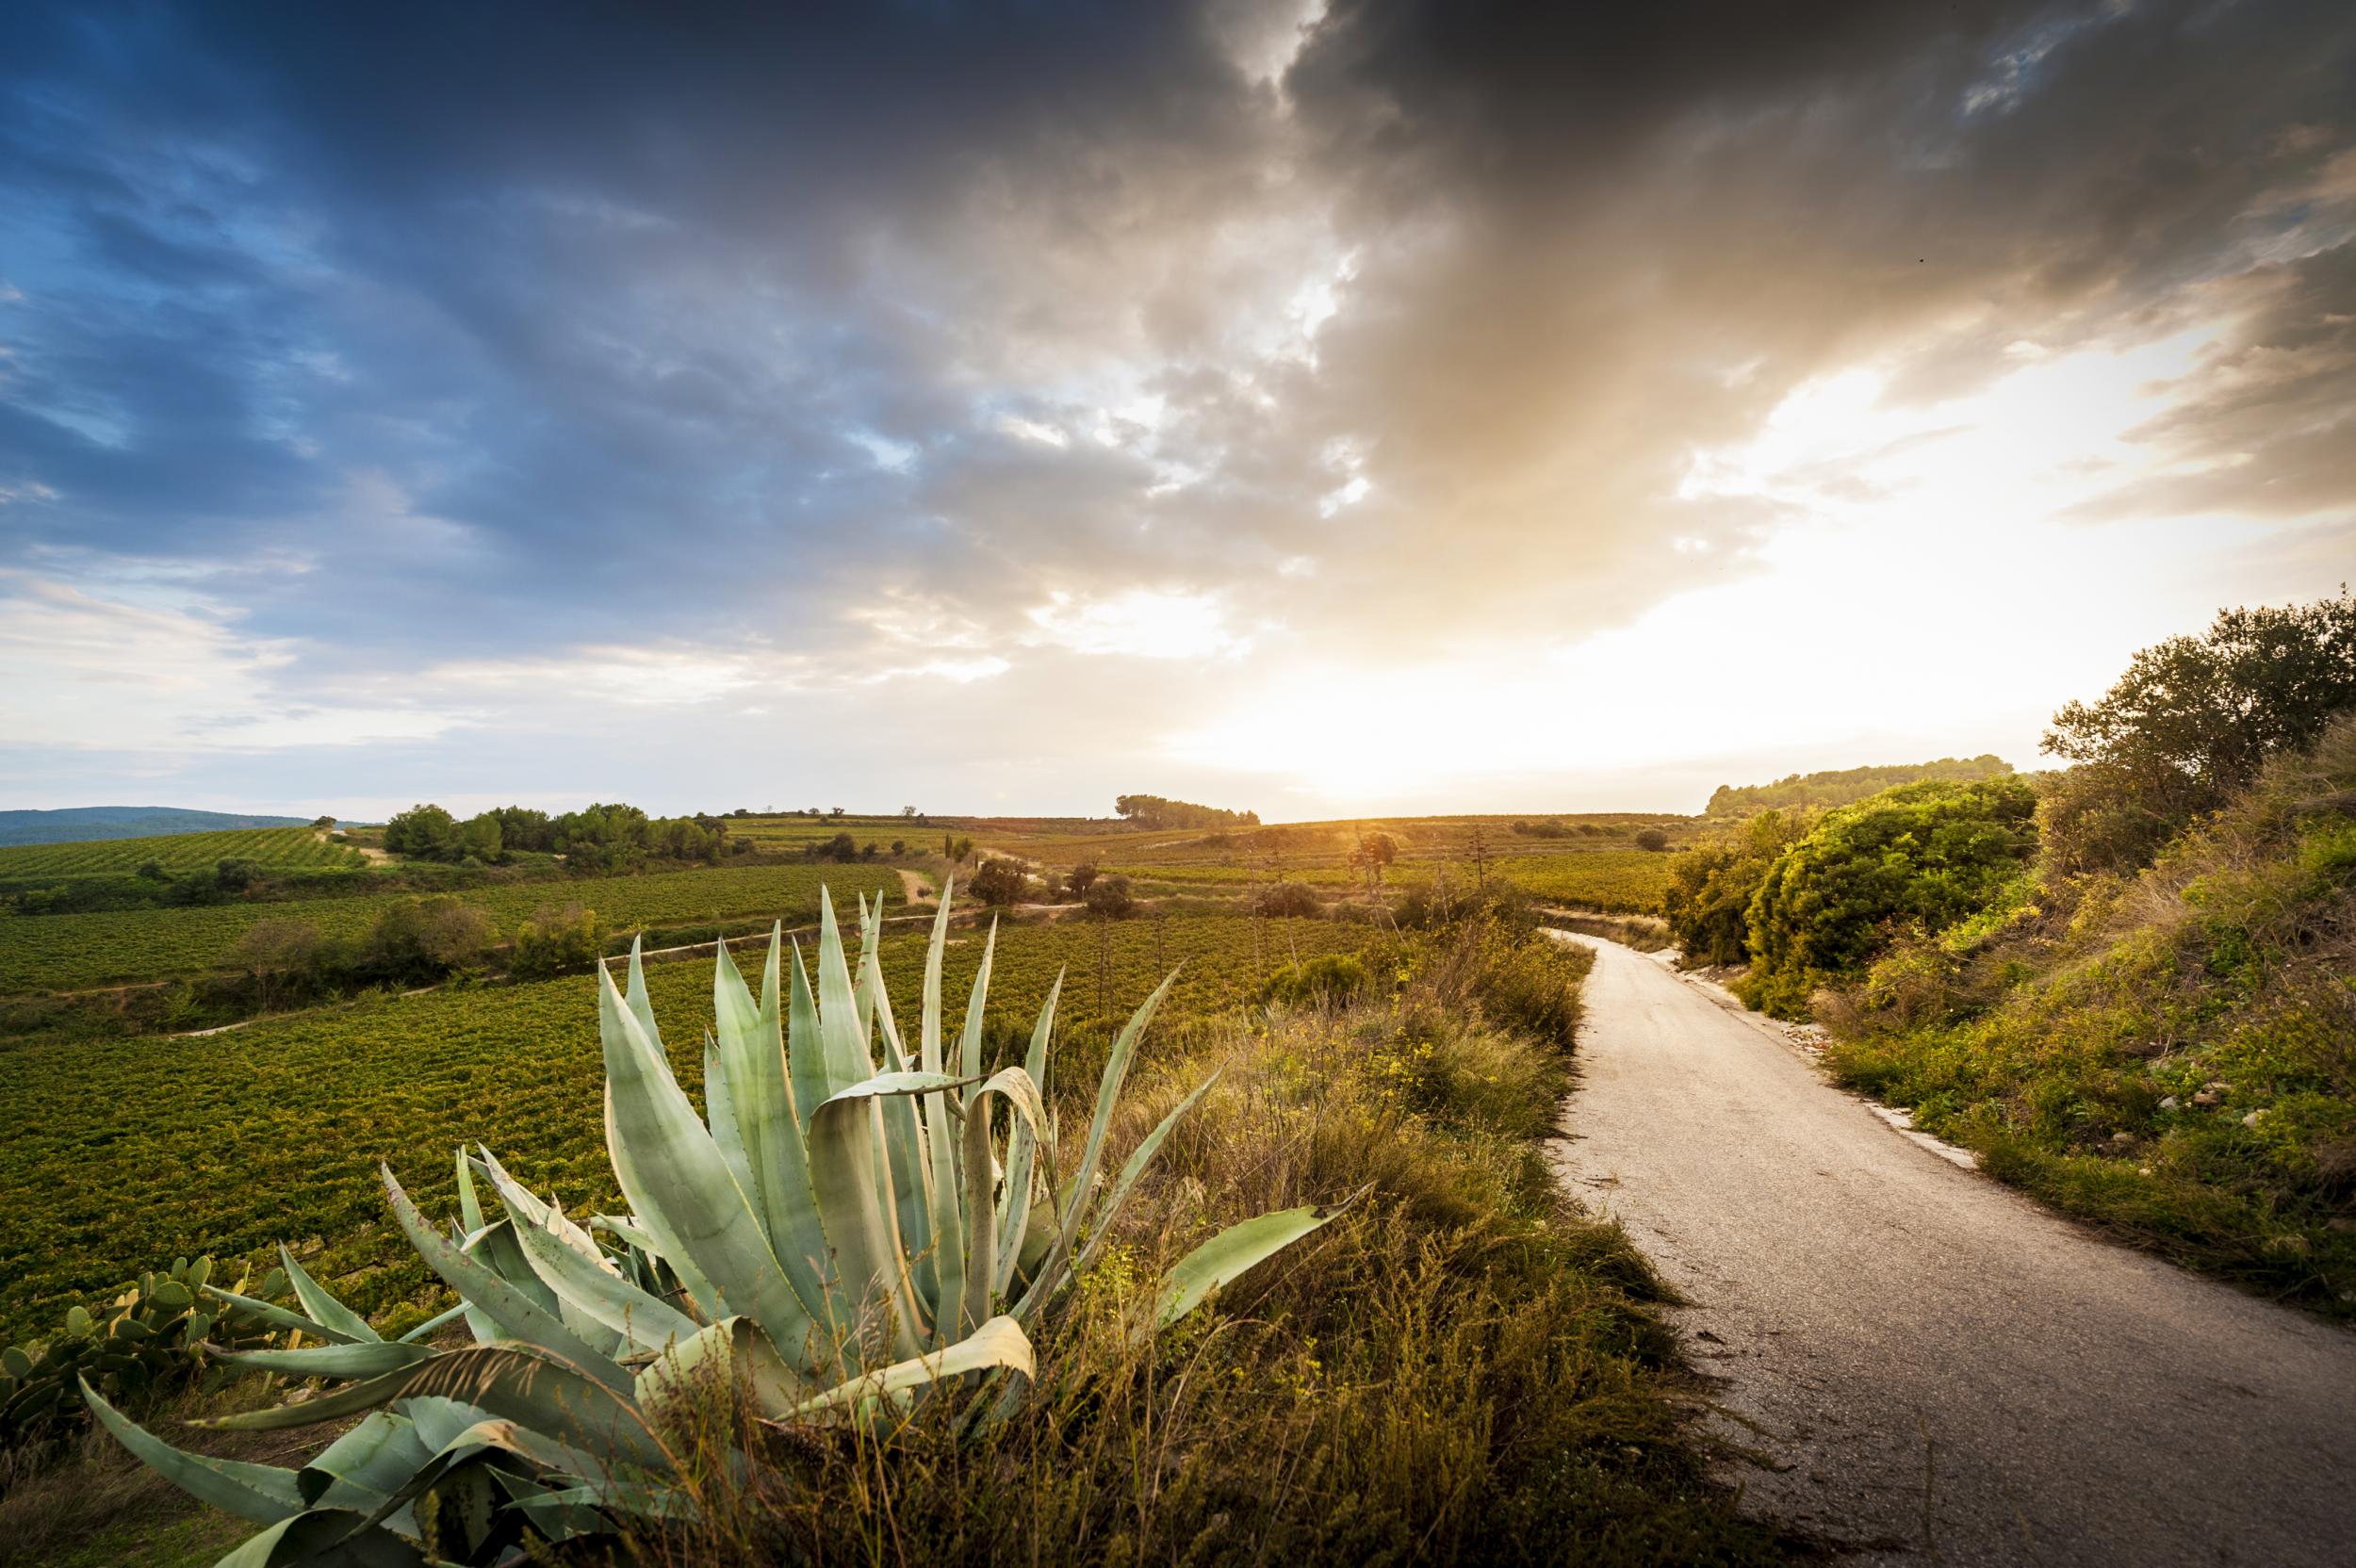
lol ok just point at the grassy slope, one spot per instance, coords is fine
(2174, 1058)
(1462, 1368)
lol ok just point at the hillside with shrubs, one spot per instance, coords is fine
(2129, 987)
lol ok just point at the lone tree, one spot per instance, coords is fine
(1652, 839)
(1000, 882)
(1078, 878)
(2192, 721)
(1373, 857)
(1108, 898)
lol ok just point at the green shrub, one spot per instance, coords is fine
(554, 941)
(1920, 856)
(1328, 980)
(1707, 901)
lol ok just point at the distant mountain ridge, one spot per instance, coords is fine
(76, 823)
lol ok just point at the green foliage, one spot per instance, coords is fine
(2169, 1056)
(1154, 811)
(1296, 900)
(154, 1337)
(1000, 882)
(1624, 881)
(835, 1233)
(1819, 792)
(1328, 980)
(99, 1168)
(60, 952)
(270, 848)
(1108, 898)
(2193, 720)
(1917, 858)
(1708, 900)
(555, 941)
(1651, 839)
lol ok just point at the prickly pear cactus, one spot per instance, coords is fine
(154, 1336)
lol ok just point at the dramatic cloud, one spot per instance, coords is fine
(1029, 403)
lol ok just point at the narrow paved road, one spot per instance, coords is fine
(1940, 1370)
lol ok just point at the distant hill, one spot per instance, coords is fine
(1817, 791)
(80, 823)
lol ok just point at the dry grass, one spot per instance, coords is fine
(1459, 1369)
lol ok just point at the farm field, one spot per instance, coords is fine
(272, 1133)
(271, 848)
(65, 952)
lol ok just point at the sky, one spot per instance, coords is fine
(1329, 409)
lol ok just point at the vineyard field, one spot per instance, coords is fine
(272, 848)
(272, 1133)
(65, 952)
(1624, 881)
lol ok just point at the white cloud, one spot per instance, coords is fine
(1141, 623)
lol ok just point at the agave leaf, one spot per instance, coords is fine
(375, 1457)
(846, 1057)
(1228, 1253)
(271, 1313)
(469, 1206)
(945, 1226)
(641, 1005)
(1134, 1168)
(519, 1316)
(344, 1362)
(637, 1499)
(1015, 1087)
(862, 1215)
(325, 1538)
(593, 1290)
(734, 1349)
(682, 1192)
(752, 1063)
(495, 1248)
(557, 1520)
(805, 1053)
(339, 1322)
(870, 946)
(999, 1343)
(905, 1143)
(262, 1492)
(720, 1116)
(522, 1383)
(1022, 1151)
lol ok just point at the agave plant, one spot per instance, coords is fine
(835, 1236)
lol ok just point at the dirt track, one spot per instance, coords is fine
(1945, 1372)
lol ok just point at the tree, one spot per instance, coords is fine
(281, 955)
(1108, 898)
(836, 812)
(1652, 839)
(1373, 857)
(907, 812)
(424, 938)
(2192, 721)
(1000, 882)
(325, 825)
(1155, 812)
(1077, 880)
(555, 941)
(422, 833)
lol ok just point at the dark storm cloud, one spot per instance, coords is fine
(537, 326)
